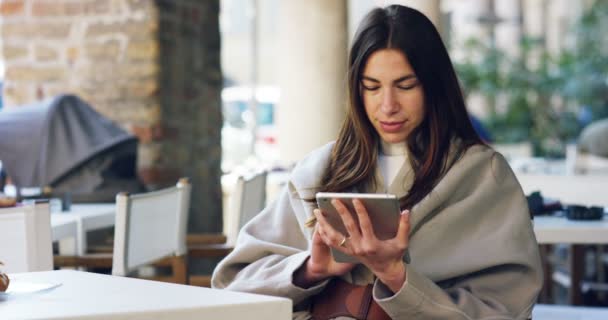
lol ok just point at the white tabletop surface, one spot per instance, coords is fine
(64, 226)
(97, 296)
(588, 190)
(561, 230)
(556, 312)
(88, 217)
(93, 216)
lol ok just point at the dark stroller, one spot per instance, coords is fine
(65, 147)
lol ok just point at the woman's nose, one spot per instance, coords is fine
(389, 102)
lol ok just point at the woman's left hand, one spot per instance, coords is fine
(383, 257)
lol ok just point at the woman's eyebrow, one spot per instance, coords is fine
(407, 77)
(364, 77)
(400, 79)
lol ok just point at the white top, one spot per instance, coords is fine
(390, 160)
(97, 296)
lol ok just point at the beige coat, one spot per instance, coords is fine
(473, 250)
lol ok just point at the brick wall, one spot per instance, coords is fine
(152, 66)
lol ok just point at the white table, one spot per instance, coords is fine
(88, 217)
(589, 190)
(556, 312)
(25, 238)
(64, 227)
(97, 296)
(94, 216)
(552, 230)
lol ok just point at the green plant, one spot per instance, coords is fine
(584, 68)
(542, 104)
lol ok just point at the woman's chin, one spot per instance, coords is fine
(393, 138)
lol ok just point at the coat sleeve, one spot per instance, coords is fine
(269, 249)
(479, 255)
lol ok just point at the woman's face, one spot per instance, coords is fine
(392, 95)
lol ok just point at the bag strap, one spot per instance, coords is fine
(343, 299)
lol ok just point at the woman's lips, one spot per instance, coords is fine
(392, 126)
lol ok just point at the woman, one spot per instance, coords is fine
(473, 251)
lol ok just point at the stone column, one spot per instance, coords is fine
(509, 31)
(311, 71)
(535, 16)
(190, 105)
(561, 16)
(466, 16)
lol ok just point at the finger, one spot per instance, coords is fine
(317, 238)
(320, 226)
(330, 235)
(347, 219)
(321, 221)
(404, 227)
(325, 241)
(319, 251)
(367, 230)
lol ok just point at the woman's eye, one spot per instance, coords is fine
(370, 88)
(407, 87)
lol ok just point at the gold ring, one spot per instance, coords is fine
(343, 242)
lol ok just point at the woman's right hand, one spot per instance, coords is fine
(320, 265)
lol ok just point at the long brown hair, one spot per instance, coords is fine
(353, 159)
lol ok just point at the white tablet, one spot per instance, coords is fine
(383, 210)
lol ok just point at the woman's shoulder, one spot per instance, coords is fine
(481, 155)
(308, 172)
(480, 151)
(478, 169)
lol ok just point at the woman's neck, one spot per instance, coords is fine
(393, 149)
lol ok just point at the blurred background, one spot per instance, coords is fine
(212, 89)
(533, 72)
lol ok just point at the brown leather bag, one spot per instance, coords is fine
(343, 299)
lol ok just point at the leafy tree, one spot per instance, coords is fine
(549, 104)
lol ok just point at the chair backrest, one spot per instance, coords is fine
(150, 226)
(25, 238)
(247, 199)
(252, 189)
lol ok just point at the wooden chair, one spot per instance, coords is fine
(150, 227)
(25, 238)
(247, 200)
